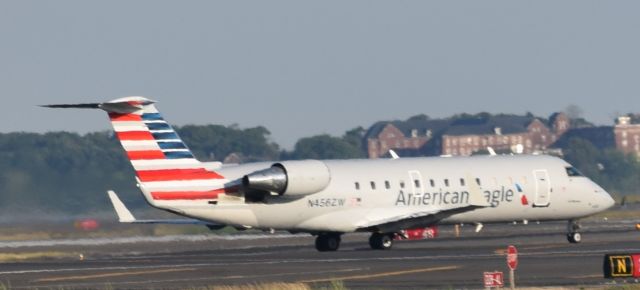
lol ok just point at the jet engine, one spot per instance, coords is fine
(290, 178)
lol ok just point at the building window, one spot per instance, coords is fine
(373, 185)
(357, 185)
(386, 184)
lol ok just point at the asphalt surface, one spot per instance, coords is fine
(545, 259)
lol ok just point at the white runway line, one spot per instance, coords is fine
(134, 240)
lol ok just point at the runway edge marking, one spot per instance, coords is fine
(109, 275)
(384, 274)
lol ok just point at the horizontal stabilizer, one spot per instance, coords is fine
(121, 106)
(74, 106)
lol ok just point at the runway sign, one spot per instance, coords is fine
(621, 265)
(493, 279)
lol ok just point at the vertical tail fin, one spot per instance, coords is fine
(166, 169)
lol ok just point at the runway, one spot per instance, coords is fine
(545, 259)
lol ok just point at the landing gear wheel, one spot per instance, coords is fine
(379, 241)
(327, 242)
(574, 238)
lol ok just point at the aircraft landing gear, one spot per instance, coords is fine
(573, 234)
(379, 241)
(329, 242)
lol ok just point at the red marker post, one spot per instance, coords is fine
(512, 262)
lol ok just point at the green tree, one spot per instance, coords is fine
(323, 147)
(215, 142)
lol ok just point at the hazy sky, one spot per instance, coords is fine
(302, 68)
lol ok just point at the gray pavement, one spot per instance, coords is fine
(545, 259)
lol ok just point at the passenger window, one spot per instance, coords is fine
(373, 185)
(386, 184)
(357, 185)
(461, 181)
(433, 183)
(401, 184)
(446, 182)
(416, 183)
(573, 172)
(478, 182)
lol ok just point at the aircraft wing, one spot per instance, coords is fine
(125, 216)
(399, 218)
(394, 219)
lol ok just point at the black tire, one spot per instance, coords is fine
(379, 241)
(328, 242)
(574, 238)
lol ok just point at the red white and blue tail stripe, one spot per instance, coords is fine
(165, 167)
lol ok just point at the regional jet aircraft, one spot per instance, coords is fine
(328, 198)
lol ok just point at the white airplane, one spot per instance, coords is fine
(329, 198)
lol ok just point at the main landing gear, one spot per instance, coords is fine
(379, 241)
(573, 234)
(328, 242)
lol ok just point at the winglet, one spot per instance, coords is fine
(124, 215)
(393, 154)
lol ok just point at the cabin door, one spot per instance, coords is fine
(543, 188)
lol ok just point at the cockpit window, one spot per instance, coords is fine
(573, 172)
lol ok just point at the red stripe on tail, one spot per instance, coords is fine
(124, 117)
(134, 135)
(177, 174)
(187, 195)
(144, 155)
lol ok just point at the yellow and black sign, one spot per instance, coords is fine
(618, 266)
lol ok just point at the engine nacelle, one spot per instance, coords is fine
(290, 178)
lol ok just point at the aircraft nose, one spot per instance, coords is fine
(607, 201)
(603, 199)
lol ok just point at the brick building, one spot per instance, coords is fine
(406, 137)
(464, 135)
(627, 134)
(504, 133)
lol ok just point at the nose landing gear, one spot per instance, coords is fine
(573, 234)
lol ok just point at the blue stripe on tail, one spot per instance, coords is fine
(172, 145)
(161, 136)
(152, 117)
